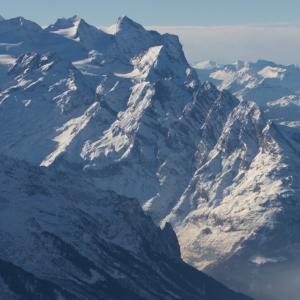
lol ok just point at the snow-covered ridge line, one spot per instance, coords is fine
(274, 87)
(130, 113)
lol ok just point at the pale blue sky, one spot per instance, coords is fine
(157, 12)
(220, 30)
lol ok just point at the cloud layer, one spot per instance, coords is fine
(225, 44)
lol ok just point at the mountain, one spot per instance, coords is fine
(261, 82)
(68, 113)
(133, 117)
(41, 92)
(274, 87)
(77, 29)
(1, 18)
(207, 65)
(63, 238)
(240, 212)
(19, 36)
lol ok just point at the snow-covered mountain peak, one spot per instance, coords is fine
(76, 29)
(75, 19)
(20, 23)
(123, 24)
(262, 63)
(30, 62)
(238, 64)
(146, 129)
(208, 65)
(262, 81)
(131, 39)
(174, 47)
(42, 81)
(272, 72)
(64, 23)
(1, 18)
(166, 61)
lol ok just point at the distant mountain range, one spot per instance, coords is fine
(123, 110)
(275, 88)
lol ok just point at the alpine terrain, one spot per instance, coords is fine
(274, 87)
(122, 108)
(63, 238)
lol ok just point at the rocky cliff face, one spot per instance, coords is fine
(63, 238)
(134, 118)
(274, 87)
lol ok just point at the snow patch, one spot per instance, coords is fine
(260, 259)
(26, 102)
(271, 72)
(207, 65)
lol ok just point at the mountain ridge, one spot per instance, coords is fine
(213, 166)
(62, 238)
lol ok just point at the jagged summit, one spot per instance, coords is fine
(208, 64)
(64, 23)
(146, 129)
(262, 81)
(124, 23)
(19, 23)
(30, 62)
(76, 29)
(238, 63)
(262, 63)
(72, 24)
(75, 18)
